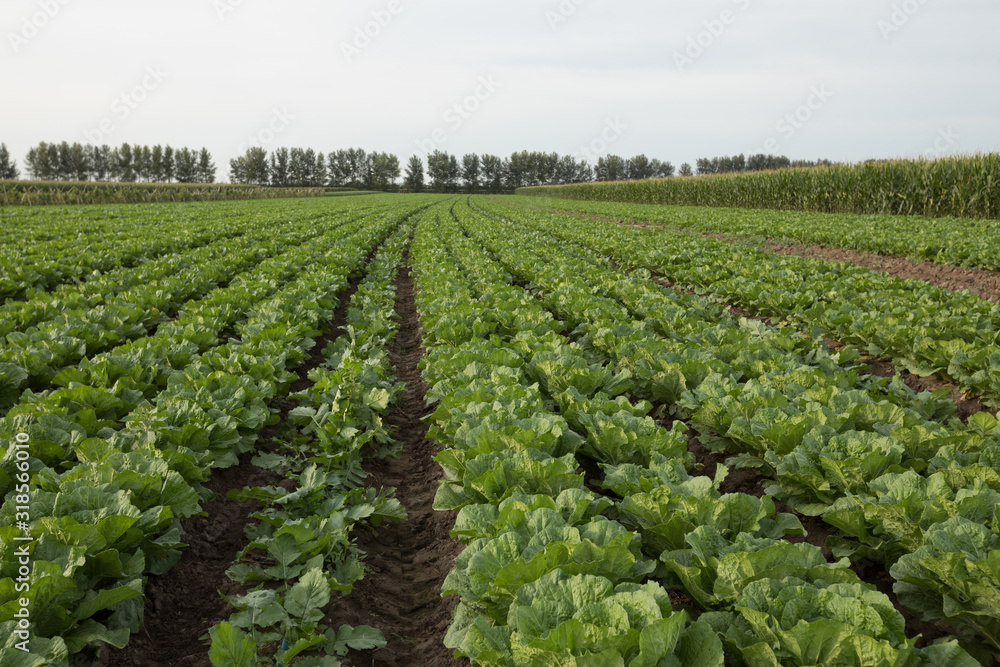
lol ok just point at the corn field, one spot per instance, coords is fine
(38, 193)
(966, 187)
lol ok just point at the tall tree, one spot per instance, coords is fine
(147, 163)
(384, 169)
(156, 164)
(439, 170)
(661, 169)
(251, 168)
(357, 161)
(55, 161)
(80, 162)
(169, 164)
(518, 170)
(566, 170)
(186, 166)
(90, 155)
(338, 168)
(142, 158)
(102, 162)
(318, 178)
(471, 172)
(64, 161)
(206, 167)
(124, 164)
(8, 166)
(640, 168)
(414, 181)
(390, 167)
(492, 173)
(686, 170)
(454, 172)
(37, 162)
(547, 168)
(308, 167)
(611, 168)
(279, 167)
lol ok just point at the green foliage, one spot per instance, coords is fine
(118, 454)
(794, 410)
(44, 193)
(960, 186)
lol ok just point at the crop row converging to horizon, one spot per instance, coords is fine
(658, 447)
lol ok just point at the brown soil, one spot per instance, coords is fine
(750, 481)
(817, 531)
(407, 562)
(967, 404)
(982, 283)
(183, 604)
(874, 572)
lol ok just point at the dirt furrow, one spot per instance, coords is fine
(984, 284)
(981, 282)
(406, 563)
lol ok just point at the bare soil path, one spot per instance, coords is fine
(406, 563)
(981, 282)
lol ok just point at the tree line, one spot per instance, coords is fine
(491, 173)
(737, 164)
(355, 168)
(126, 163)
(304, 167)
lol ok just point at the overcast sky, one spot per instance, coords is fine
(673, 79)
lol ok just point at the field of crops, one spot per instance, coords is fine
(38, 193)
(960, 186)
(452, 430)
(955, 241)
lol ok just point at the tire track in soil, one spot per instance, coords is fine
(184, 603)
(406, 563)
